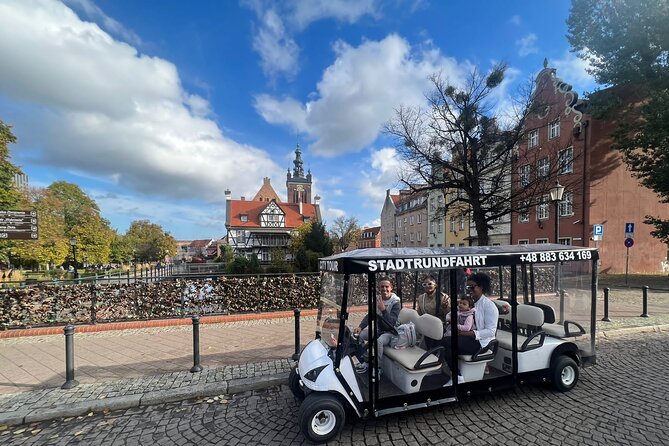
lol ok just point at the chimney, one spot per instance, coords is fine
(387, 192)
(317, 200)
(265, 180)
(243, 198)
(228, 195)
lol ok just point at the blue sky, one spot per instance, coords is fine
(156, 107)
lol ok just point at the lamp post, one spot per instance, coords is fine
(556, 197)
(134, 262)
(73, 243)
(396, 237)
(11, 263)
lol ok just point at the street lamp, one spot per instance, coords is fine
(73, 243)
(556, 197)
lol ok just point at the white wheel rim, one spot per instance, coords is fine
(323, 422)
(568, 376)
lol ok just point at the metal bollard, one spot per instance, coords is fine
(561, 306)
(645, 301)
(69, 358)
(196, 345)
(296, 355)
(606, 305)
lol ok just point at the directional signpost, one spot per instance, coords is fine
(18, 225)
(629, 242)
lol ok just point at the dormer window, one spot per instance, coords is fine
(244, 218)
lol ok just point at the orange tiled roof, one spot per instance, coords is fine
(395, 198)
(253, 209)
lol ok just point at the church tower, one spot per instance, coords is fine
(299, 186)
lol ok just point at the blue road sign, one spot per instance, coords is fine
(598, 230)
(629, 242)
(629, 228)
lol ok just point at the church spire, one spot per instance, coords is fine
(298, 171)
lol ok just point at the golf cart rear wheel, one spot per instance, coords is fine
(321, 417)
(564, 373)
(294, 384)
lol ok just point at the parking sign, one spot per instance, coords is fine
(598, 230)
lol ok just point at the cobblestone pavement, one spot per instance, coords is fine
(621, 401)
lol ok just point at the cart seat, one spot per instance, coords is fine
(472, 367)
(566, 329)
(530, 333)
(407, 367)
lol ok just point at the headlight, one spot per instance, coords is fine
(312, 375)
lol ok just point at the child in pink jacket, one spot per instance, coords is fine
(465, 316)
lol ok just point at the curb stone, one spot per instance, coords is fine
(239, 385)
(632, 330)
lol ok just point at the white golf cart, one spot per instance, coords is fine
(546, 330)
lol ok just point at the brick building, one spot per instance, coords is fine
(370, 238)
(568, 145)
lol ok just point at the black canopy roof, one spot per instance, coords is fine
(410, 259)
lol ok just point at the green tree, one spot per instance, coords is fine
(345, 232)
(318, 240)
(243, 265)
(9, 195)
(78, 207)
(297, 238)
(626, 43)
(149, 241)
(120, 249)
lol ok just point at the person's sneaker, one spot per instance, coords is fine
(361, 367)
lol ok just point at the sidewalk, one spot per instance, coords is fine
(144, 366)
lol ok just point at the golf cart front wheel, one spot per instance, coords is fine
(294, 384)
(564, 373)
(321, 417)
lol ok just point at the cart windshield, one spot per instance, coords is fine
(329, 309)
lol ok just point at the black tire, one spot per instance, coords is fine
(321, 417)
(564, 373)
(294, 384)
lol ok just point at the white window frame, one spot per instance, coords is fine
(543, 208)
(411, 237)
(462, 223)
(452, 223)
(541, 241)
(566, 206)
(524, 216)
(411, 220)
(566, 161)
(433, 227)
(564, 241)
(419, 219)
(554, 129)
(544, 167)
(440, 226)
(523, 241)
(418, 236)
(524, 174)
(533, 138)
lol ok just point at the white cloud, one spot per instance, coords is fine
(333, 213)
(360, 91)
(282, 111)
(278, 51)
(97, 106)
(384, 174)
(573, 70)
(93, 12)
(281, 20)
(527, 45)
(304, 13)
(515, 20)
